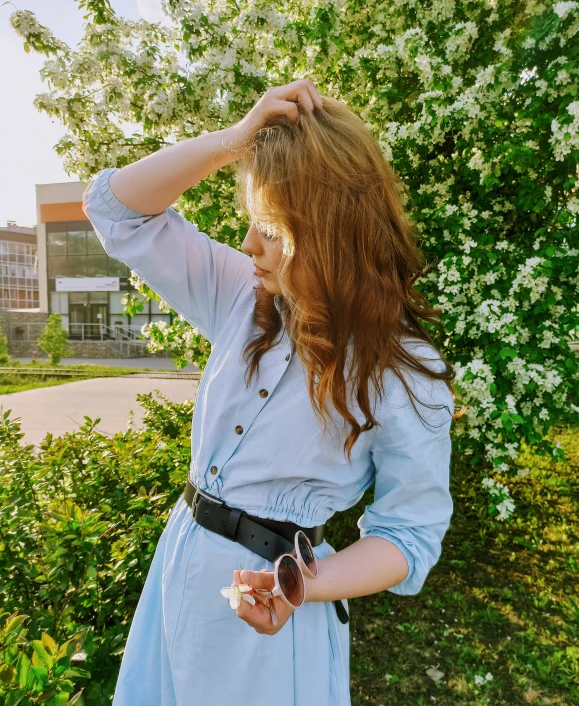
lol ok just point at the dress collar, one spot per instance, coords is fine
(280, 304)
(282, 308)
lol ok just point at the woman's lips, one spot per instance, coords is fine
(259, 272)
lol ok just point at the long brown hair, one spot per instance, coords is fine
(350, 258)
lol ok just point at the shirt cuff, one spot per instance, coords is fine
(118, 210)
(397, 542)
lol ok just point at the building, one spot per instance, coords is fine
(77, 279)
(18, 268)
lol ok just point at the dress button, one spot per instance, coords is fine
(239, 430)
(263, 393)
(213, 469)
(287, 356)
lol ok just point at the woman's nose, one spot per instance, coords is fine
(250, 244)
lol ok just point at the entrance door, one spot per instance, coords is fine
(76, 321)
(97, 322)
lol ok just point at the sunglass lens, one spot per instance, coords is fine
(290, 580)
(307, 553)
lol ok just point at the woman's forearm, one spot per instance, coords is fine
(153, 183)
(370, 565)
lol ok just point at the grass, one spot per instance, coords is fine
(502, 600)
(13, 382)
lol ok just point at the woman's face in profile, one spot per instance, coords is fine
(266, 254)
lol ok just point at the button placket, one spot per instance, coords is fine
(247, 409)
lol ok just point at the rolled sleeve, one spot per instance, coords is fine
(412, 503)
(198, 277)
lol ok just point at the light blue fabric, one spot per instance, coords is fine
(187, 647)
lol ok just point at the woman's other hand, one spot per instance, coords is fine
(258, 616)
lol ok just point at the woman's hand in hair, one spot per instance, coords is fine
(279, 100)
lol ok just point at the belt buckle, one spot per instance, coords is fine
(205, 496)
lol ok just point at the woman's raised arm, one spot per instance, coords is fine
(152, 184)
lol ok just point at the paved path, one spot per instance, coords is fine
(142, 363)
(61, 408)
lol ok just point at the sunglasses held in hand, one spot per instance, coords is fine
(289, 583)
(289, 570)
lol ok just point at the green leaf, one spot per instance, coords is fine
(13, 623)
(76, 672)
(49, 644)
(22, 670)
(42, 655)
(14, 698)
(507, 421)
(508, 352)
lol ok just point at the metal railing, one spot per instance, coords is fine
(79, 332)
(102, 332)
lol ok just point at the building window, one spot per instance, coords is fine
(58, 267)
(76, 244)
(56, 243)
(18, 276)
(93, 244)
(74, 249)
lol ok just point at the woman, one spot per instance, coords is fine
(327, 329)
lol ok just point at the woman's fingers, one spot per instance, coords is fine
(257, 616)
(275, 101)
(288, 108)
(305, 99)
(303, 91)
(259, 579)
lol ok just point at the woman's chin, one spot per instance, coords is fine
(272, 287)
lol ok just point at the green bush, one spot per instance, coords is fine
(79, 522)
(54, 340)
(4, 355)
(38, 671)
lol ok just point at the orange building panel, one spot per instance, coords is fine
(53, 212)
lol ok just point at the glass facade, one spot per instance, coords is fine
(18, 275)
(72, 248)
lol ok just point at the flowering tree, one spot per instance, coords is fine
(474, 104)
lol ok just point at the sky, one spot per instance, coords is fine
(27, 136)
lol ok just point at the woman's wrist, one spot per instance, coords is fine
(313, 585)
(237, 138)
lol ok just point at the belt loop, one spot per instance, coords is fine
(232, 522)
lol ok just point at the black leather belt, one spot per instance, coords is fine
(266, 537)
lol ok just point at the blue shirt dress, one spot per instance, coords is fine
(186, 646)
